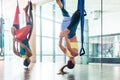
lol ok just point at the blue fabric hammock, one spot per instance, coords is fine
(82, 14)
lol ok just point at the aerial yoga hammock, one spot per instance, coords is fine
(72, 23)
(69, 27)
(22, 35)
(82, 14)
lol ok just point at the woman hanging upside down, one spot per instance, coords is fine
(69, 27)
(22, 36)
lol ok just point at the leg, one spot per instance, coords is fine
(30, 20)
(74, 20)
(30, 14)
(71, 29)
(14, 48)
(63, 10)
(26, 13)
(59, 3)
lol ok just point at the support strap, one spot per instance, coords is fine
(82, 14)
(30, 19)
(26, 31)
(16, 17)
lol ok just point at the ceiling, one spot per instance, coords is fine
(90, 5)
(109, 5)
(22, 3)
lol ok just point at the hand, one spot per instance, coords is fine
(62, 72)
(14, 39)
(13, 29)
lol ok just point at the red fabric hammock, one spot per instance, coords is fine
(20, 34)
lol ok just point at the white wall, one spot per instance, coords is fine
(110, 24)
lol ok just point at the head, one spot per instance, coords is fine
(70, 64)
(26, 62)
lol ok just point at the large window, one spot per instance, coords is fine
(110, 46)
(49, 18)
(104, 32)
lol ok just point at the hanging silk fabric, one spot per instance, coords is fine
(82, 14)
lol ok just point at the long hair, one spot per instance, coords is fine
(70, 64)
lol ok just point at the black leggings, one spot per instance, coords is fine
(74, 23)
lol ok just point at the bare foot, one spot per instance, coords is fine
(26, 8)
(59, 3)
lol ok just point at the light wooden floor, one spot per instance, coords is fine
(14, 70)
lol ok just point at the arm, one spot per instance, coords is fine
(62, 70)
(14, 49)
(13, 29)
(27, 50)
(61, 46)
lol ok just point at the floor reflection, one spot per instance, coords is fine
(27, 71)
(14, 70)
(27, 74)
(71, 77)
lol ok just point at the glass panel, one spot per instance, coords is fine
(47, 11)
(93, 9)
(47, 59)
(38, 25)
(47, 28)
(60, 59)
(111, 32)
(58, 51)
(57, 29)
(8, 43)
(47, 46)
(38, 44)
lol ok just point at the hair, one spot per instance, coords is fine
(70, 65)
(26, 62)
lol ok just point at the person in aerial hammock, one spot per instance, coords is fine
(22, 35)
(71, 48)
(74, 22)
